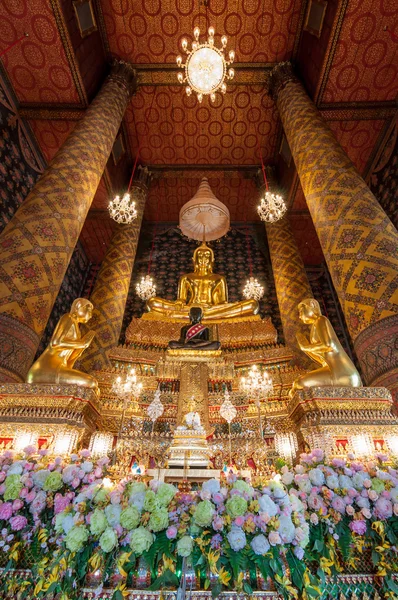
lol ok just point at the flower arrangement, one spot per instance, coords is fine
(64, 520)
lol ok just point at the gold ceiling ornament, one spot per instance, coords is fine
(206, 67)
(204, 217)
(271, 208)
(146, 288)
(253, 290)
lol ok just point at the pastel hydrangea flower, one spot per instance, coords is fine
(113, 512)
(159, 519)
(185, 546)
(212, 486)
(267, 505)
(18, 522)
(165, 493)
(76, 538)
(236, 506)
(130, 518)
(53, 482)
(150, 503)
(108, 540)
(237, 539)
(141, 540)
(260, 544)
(243, 487)
(13, 486)
(98, 522)
(203, 514)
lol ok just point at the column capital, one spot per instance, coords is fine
(280, 75)
(143, 178)
(271, 178)
(123, 74)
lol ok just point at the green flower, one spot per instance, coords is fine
(100, 496)
(377, 485)
(236, 506)
(13, 487)
(166, 493)
(159, 520)
(136, 487)
(76, 537)
(185, 546)
(108, 540)
(203, 514)
(53, 482)
(150, 502)
(98, 522)
(141, 540)
(243, 487)
(130, 518)
(59, 520)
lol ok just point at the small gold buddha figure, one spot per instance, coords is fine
(205, 289)
(195, 336)
(336, 368)
(56, 363)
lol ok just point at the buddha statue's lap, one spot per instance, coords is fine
(204, 289)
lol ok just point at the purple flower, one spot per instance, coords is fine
(383, 508)
(215, 541)
(19, 522)
(338, 504)
(218, 523)
(299, 552)
(5, 511)
(171, 532)
(358, 527)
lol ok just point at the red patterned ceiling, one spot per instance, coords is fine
(51, 135)
(37, 66)
(358, 139)
(179, 130)
(365, 64)
(150, 31)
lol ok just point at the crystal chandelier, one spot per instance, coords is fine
(122, 210)
(206, 67)
(256, 386)
(127, 387)
(227, 409)
(146, 288)
(156, 408)
(253, 289)
(272, 207)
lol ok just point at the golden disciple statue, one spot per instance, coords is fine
(205, 289)
(323, 346)
(56, 363)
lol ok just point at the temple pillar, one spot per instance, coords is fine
(37, 244)
(359, 242)
(111, 288)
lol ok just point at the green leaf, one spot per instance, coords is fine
(247, 588)
(216, 591)
(312, 592)
(117, 595)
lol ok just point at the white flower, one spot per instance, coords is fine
(286, 529)
(69, 473)
(112, 512)
(287, 477)
(317, 477)
(345, 481)
(67, 523)
(260, 544)
(40, 476)
(268, 506)
(332, 482)
(212, 486)
(237, 538)
(87, 466)
(297, 505)
(304, 484)
(394, 494)
(16, 468)
(383, 475)
(362, 502)
(138, 499)
(358, 479)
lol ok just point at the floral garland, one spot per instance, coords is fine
(67, 520)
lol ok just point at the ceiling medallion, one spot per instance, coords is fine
(272, 207)
(206, 66)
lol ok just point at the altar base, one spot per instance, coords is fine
(344, 419)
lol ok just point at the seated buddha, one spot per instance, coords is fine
(56, 364)
(194, 336)
(323, 347)
(205, 289)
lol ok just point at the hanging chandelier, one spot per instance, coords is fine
(272, 207)
(156, 408)
(127, 387)
(257, 384)
(253, 290)
(122, 209)
(146, 288)
(206, 67)
(227, 409)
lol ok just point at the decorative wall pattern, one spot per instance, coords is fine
(384, 177)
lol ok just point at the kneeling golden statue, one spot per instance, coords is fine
(205, 289)
(56, 363)
(324, 348)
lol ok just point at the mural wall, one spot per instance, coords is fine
(383, 180)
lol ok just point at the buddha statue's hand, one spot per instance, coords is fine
(88, 338)
(303, 342)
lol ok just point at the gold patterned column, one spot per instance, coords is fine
(291, 283)
(359, 242)
(38, 242)
(112, 285)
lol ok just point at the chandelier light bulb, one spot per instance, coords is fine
(206, 67)
(253, 289)
(122, 210)
(146, 288)
(272, 208)
(257, 385)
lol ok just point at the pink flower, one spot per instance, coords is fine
(372, 495)
(239, 521)
(314, 519)
(2, 488)
(30, 497)
(2, 476)
(274, 538)
(218, 523)
(115, 497)
(75, 482)
(29, 450)
(366, 513)
(60, 503)
(85, 453)
(23, 493)
(358, 527)
(350, 510)
(17, 505)
(367, 483)
(171, 532)
(338, 504)
(396, 510)
(218, 498)
(19, 522)
(5, 511)
(383, 508)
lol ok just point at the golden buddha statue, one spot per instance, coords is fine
(56, 363)
(336, 368)
(205, 289)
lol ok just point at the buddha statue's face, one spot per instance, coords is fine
(308, 311)
(82, 311)
(203, 260)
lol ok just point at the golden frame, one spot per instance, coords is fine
(86, 32)
(321, 3)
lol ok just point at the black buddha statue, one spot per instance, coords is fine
(195, 335)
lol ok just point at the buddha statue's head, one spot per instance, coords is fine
(309, 310)
(203, 259)
(82, 309)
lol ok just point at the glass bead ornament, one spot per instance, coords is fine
(146, 288)
(271, 208)
(206, 67)
(156, 408)
(122, 209)
(253, 290)
(227, 409)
